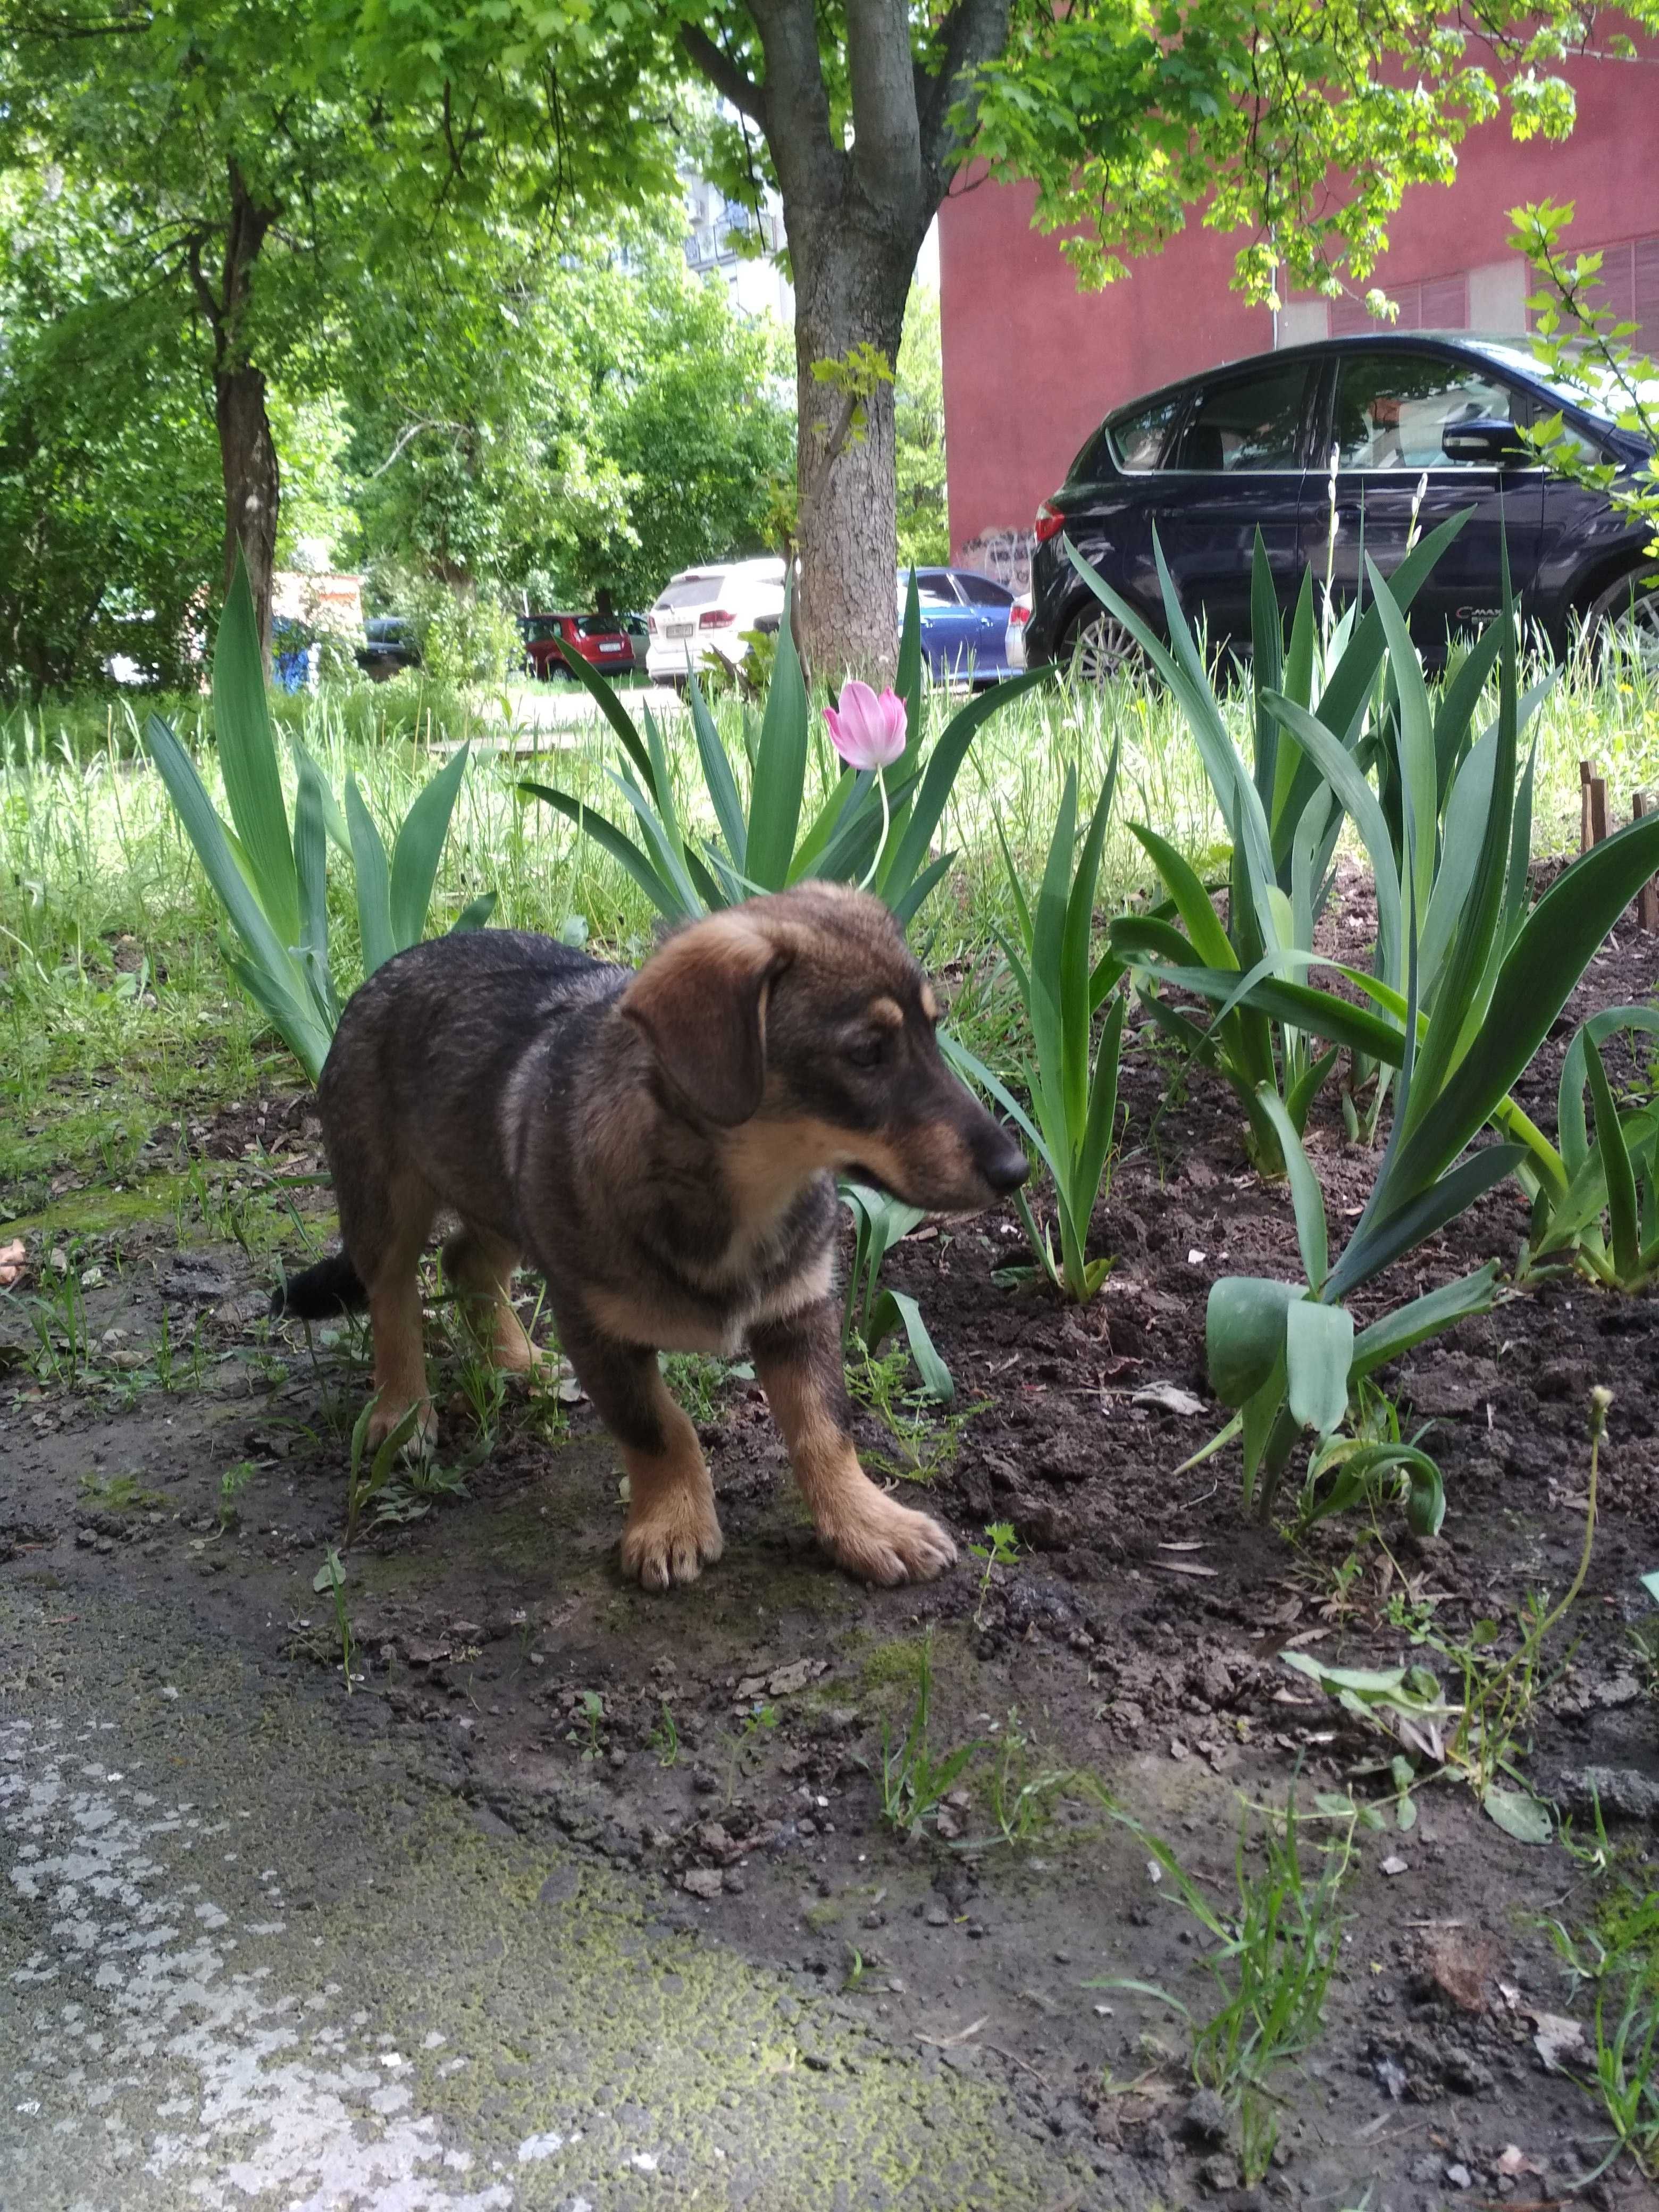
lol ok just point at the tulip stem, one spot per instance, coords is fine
(886, 824)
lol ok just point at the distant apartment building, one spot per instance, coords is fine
(1031, 364)
(721, 248)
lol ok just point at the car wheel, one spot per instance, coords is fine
(1097, 647)
(1624, 622)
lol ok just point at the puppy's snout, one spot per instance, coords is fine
(1002, 1161)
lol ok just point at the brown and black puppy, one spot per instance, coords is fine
(662, 1145)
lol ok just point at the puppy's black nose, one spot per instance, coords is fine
(1004, 1164)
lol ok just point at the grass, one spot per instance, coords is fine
(117, 1016)
(1272, 1953)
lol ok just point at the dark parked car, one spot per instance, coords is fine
(1211, 461)
(964, 624)
(389, 646)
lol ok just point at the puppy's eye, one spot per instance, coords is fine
(868, 1051)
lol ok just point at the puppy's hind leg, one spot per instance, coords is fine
(387, 1256)
(673, 1529)
(479, 1266)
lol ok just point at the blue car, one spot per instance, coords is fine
(1208, 463)
(964, 624)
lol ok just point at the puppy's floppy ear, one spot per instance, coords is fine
(701, 1004)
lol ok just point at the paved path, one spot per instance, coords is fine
(254, 1955)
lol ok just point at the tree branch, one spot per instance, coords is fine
(723, 73)
(974, 32)
(886, 130)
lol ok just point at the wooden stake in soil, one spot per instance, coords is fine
(1647, 899)
(1592, 806)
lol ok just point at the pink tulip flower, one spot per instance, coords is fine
(867, 731)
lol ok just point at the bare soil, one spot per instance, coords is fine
(1139, 1636)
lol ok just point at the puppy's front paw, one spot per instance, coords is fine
(421, 1440)
(671, 1539)
(882, 1542)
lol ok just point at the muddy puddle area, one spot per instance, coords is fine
(578, 1897)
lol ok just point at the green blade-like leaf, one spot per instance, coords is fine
(1318, 1347)
(968, 1064)
(906, 853)
(1244, 1334)
(621, 849)
(1307, 1199)
(474, 914)
(895, 1309)
(1341, 772)
(1458, 702)
(1045, 1006)
(419, 848)
(717, 776)
(1549, 954)
(1184, 674)
(667, 853)
(1571, 1132)
(1266, 669)
(1379, 1242)
(600, 689)
(1095, 1143)
(1192, 901)
(373, 879)
(333, 814)
(291, 1012)
(780, 778)
(1412, 1324)
(1623, 1238)
(906, 907)
(311, 859)
(1414, 739)
(266, 950)
(1075, 965)
(1468, 813)
(247, 758)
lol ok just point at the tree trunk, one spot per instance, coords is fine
(846, 294)
(856, 214)
(247, 457)
(247, 451)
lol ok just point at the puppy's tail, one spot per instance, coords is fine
(332, 1286)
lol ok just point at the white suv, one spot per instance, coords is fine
(705, 611)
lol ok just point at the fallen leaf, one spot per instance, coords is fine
(1512, 2161)
(1458, 1966)
(1171, 1397)
(950, 2042)
(1555, 2038)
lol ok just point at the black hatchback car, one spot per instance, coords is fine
(1211, 461)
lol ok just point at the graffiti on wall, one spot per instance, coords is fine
(1004, 554)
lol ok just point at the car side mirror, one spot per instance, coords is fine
(1484, 440)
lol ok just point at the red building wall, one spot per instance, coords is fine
(1031, 364)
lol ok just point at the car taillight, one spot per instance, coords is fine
(1017, 615)
(716, 619)
(651, 624)
(1050, 522)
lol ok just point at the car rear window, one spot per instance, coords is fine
(598, 625)
(1137, 440)
(984, 591)
(1248, 422)
(694, 592)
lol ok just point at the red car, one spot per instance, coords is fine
(601, 639)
